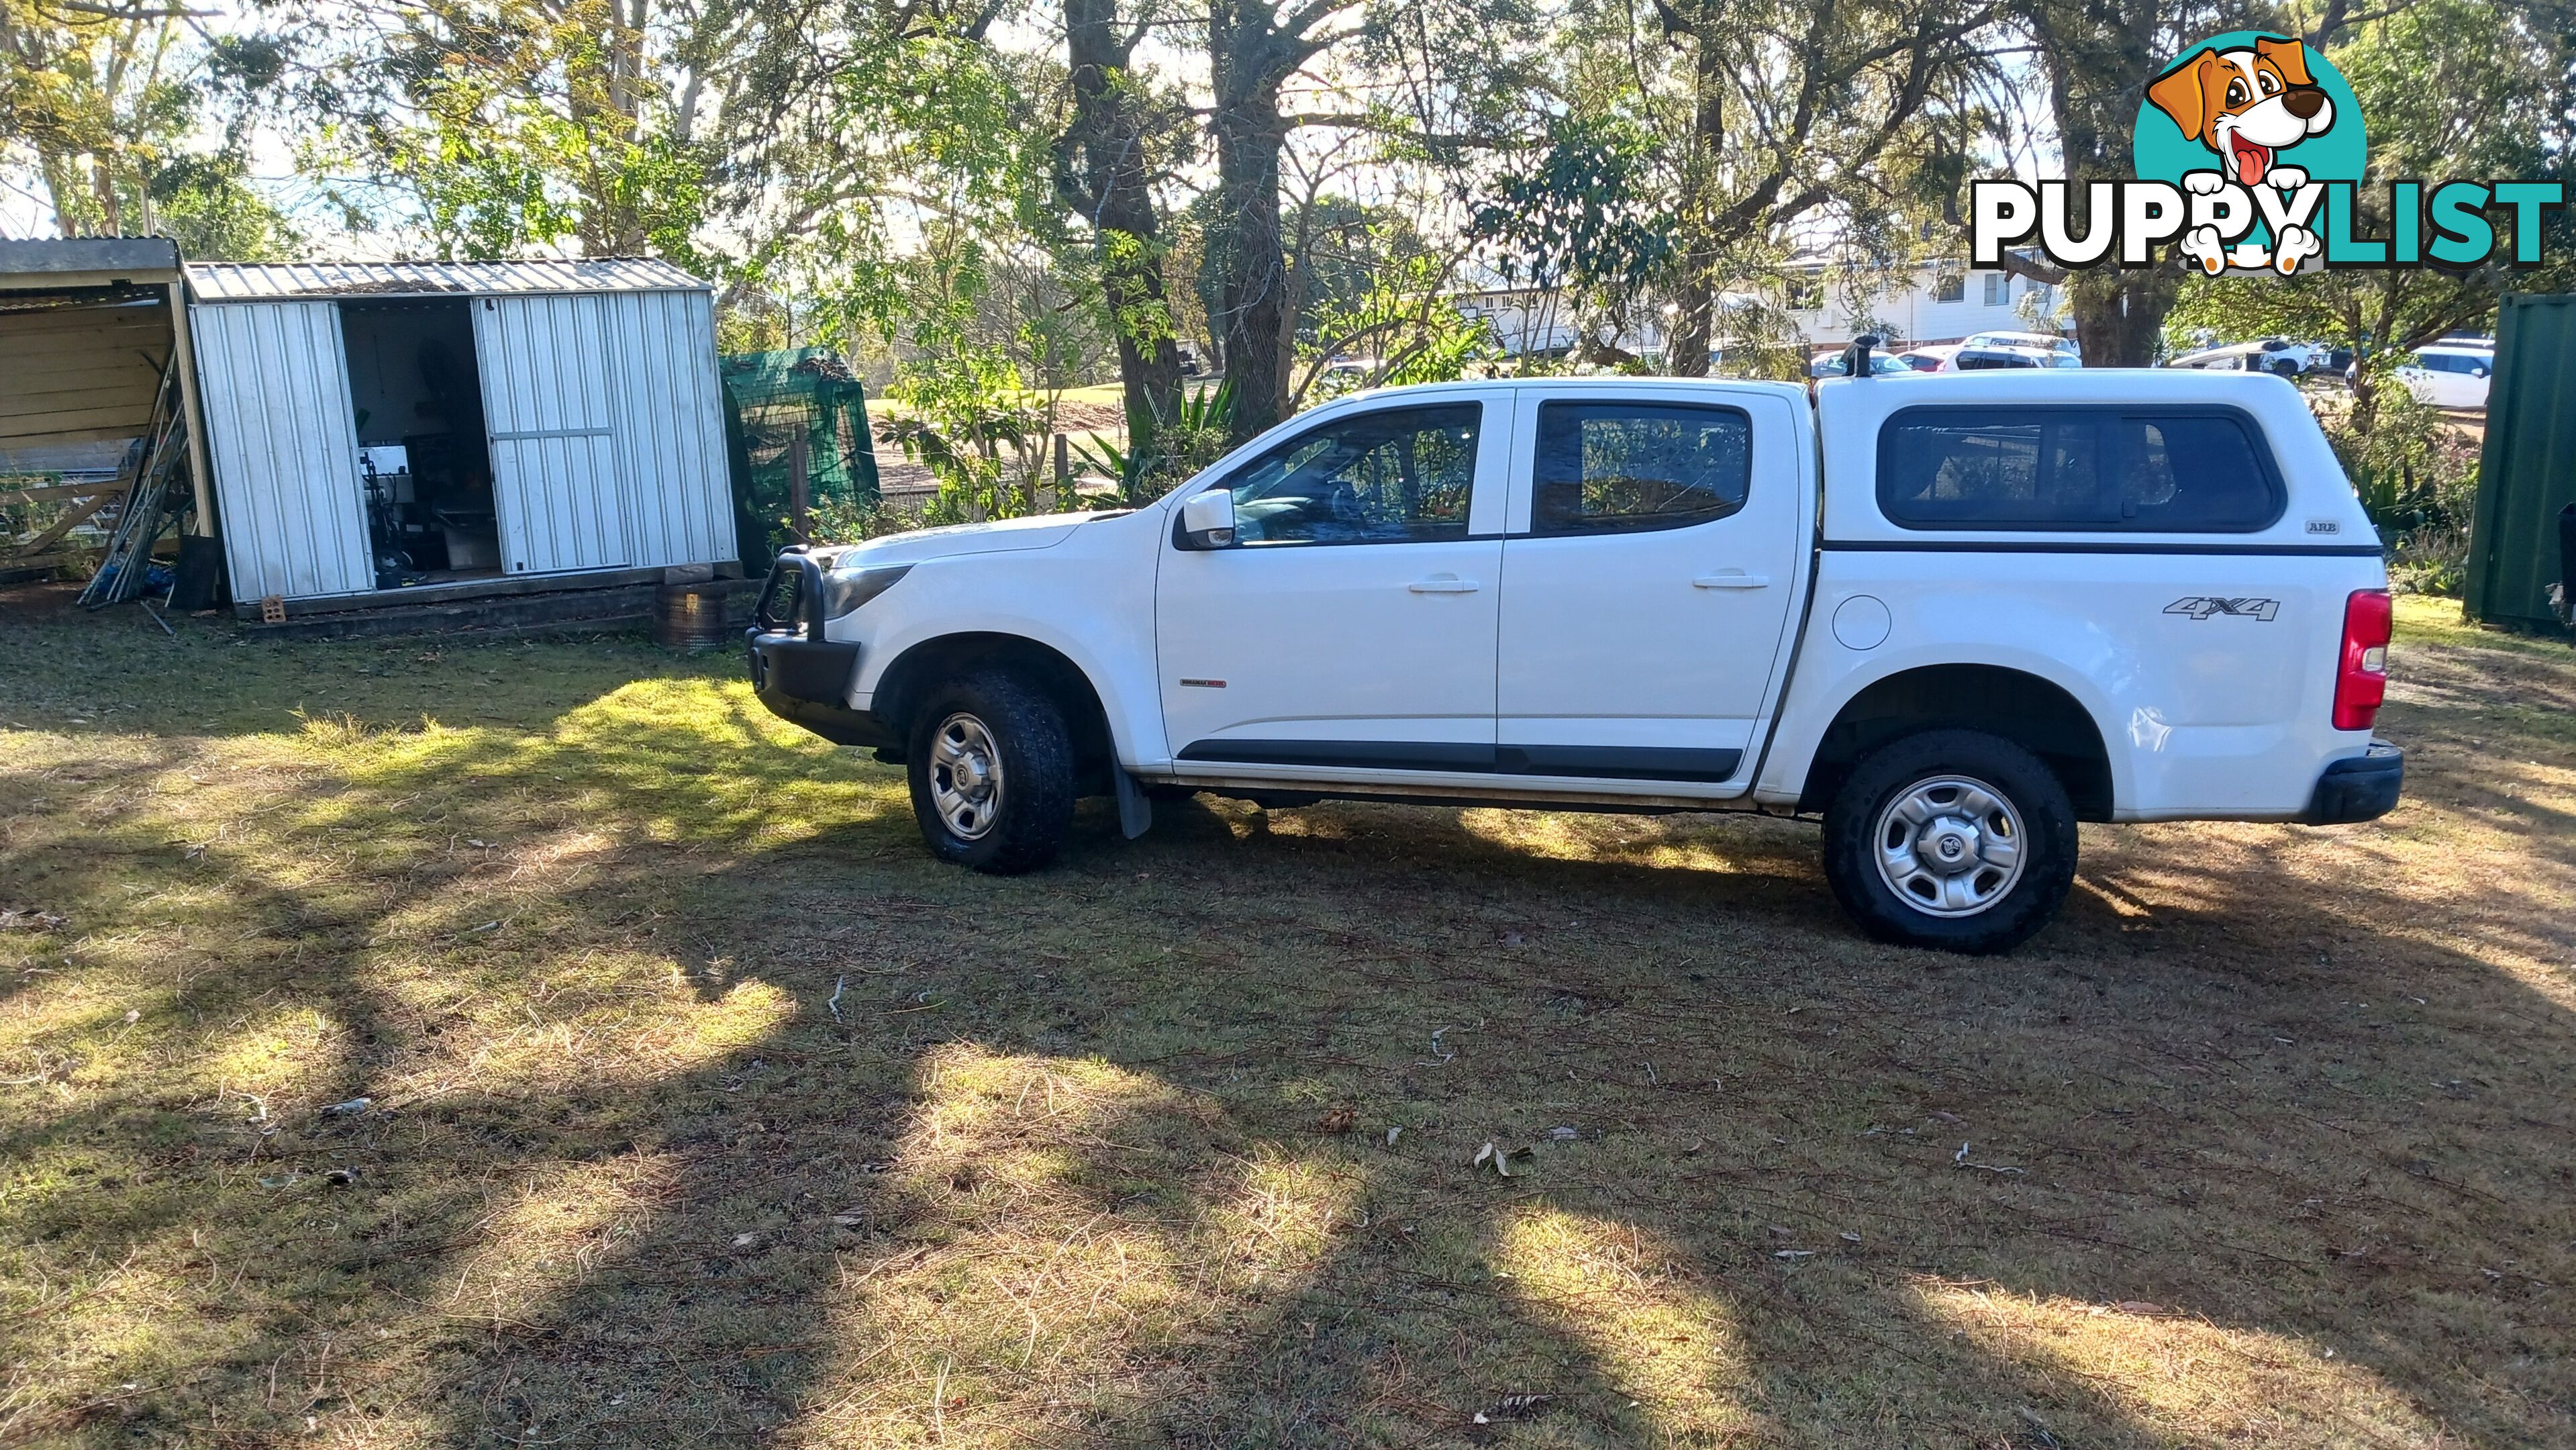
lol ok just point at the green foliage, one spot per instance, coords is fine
(2410, 466)
(1404, 325)
(1173, 452)
(128, 120)
(207, 206)
(2417, 476)
(2450, 88)
(1583, 210)
(850, 520)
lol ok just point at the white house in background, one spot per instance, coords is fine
(1945, 302)
(1530, 321)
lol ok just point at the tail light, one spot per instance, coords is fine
(2361, 674)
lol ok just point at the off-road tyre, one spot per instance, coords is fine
(1863, 826)
(1016, 725)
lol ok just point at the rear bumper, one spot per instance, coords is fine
(807, 682)
(2361, 787)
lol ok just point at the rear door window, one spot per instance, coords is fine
(1626, 467)
(2075, 469)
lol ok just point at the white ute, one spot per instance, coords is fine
(1953, 616)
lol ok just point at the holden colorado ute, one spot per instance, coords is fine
(1952, 616)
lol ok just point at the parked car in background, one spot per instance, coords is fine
(1932, 359)
(2061, 352)
(1838, 365)
(2449, 375)
(1972, 358)
(2275, 355)
(1952, 617)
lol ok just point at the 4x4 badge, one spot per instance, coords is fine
(2202, 606)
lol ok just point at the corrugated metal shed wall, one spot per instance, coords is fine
(600, 392)
(74, 374)
(2528, 472)
(671, 424)
(549, 384)
(275, 383)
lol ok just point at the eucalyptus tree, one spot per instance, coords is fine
(1701, 142)
(2094, 58)
(1124, 138)
(1433, 82)
(129, 116)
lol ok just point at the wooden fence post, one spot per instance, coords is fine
(799, 499)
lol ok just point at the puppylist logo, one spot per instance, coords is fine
(2249, 152)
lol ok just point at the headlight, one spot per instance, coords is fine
(845, 591)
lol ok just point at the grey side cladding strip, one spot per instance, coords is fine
(1356, 754)
(1618, 762)
(1605, 762)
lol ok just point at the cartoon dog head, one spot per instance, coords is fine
(2245, 104)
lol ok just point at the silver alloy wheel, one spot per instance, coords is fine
(1949, 846)
(965, 776)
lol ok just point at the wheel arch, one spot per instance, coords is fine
(906, 682)
(2034, 712)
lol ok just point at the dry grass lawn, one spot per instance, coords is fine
(536, 1044)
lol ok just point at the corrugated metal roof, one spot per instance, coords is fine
(244, 282)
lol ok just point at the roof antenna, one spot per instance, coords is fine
(1856, 356)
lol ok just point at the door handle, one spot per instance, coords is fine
(1732, 579)
(1443, 584)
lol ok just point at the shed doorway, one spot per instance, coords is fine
(424, 455)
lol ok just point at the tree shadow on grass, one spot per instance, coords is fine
(807, 1140)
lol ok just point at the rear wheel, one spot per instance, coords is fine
(1951, 839)
(992, 773)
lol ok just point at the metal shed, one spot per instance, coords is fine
(2528, 472)
(393, 428)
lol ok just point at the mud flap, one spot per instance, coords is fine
(1135, 812)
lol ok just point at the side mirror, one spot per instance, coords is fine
(1207, 521)
(2477, 372)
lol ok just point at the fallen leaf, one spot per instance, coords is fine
(1337, 1119)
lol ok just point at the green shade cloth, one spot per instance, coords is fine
(769, 398)
(2528, 473)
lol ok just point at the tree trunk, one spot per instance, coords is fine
(1106, 176)
(1245, 253)
(2120, 315)
(1687, 350)
(2095, 57)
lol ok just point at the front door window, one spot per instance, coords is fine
(1401, 476)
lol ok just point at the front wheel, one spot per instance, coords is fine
(992, 774)
(1951, 839)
